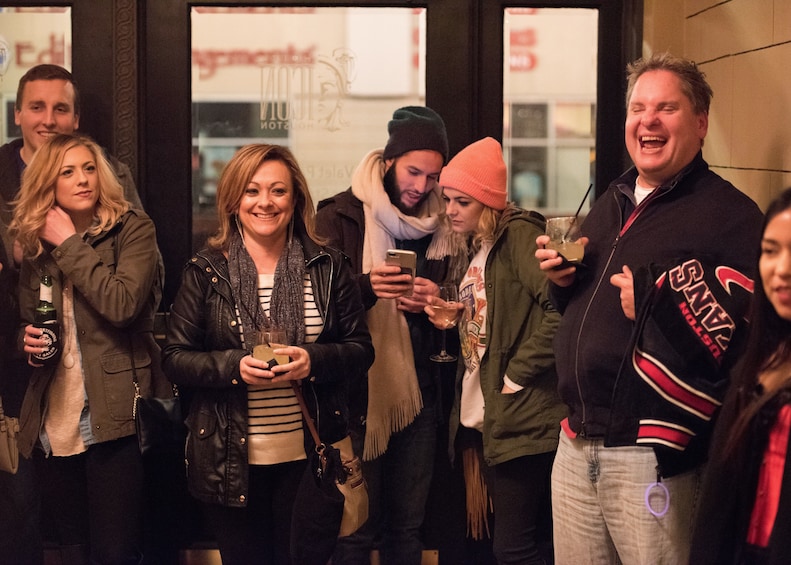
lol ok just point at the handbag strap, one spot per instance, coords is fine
(173, 387)
(134, 378)
(311, 425)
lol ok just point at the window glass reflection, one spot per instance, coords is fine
(29, 37)
(549, 97)
(322, 81)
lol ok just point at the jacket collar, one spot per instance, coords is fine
(513, 213)
(625, 183)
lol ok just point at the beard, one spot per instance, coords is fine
(394, 193)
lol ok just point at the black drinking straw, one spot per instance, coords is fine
(574, 221)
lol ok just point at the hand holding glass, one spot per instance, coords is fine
(564, 234)
(445, 310)
(268, 340)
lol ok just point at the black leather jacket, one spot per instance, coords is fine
(203, 350)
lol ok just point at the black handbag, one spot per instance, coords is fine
(158, 421)
(331, 500)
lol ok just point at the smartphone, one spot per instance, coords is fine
(407, 260)
(566, 264)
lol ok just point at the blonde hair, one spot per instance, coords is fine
(488, 223)
(237, 175)
(37, 193)
(468, 244)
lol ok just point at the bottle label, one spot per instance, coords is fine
(49, 333)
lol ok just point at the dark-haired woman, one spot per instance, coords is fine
(745, 513)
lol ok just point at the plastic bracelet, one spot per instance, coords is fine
(648, 490)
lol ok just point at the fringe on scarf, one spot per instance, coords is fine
(397, 417)
(478, 501)
(394, 398)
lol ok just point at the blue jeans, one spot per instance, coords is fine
(599, 507)
(398, 487)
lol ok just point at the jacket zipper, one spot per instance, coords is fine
(579, 333)
(655, 194)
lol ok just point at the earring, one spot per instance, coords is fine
(239, 226)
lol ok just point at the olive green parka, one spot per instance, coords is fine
(520, 327)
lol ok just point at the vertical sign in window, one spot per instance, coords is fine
(549, 97)
(322, 81)
(29, 37)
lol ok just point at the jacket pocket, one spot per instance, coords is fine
(206, 451)
(119, 388)
(107, 256)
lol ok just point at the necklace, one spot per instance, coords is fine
(68, 321)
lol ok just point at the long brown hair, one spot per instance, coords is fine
(234, 180)
(37, 193)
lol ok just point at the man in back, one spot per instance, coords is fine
(394, 202)
(641, 393)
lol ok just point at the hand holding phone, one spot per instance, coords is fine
(389, 284)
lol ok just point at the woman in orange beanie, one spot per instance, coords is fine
(506, 398)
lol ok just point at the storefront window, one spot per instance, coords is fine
(322, 81)
(28, 37)
(549, 97)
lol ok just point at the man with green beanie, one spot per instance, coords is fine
(394, 203)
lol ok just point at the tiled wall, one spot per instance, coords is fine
(744, 47)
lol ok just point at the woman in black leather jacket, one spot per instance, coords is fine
(247, 445)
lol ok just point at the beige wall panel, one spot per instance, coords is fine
(692, 7)
(761, 91)
(732, 27)
(663, 26)
(782, 21)
(717, 148)
(693, 39)
(785, 180)
(761, 186)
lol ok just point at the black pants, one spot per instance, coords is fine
(261, 531)
(520, 493)
(20, 535)
(94, 500)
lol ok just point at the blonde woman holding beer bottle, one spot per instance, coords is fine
(506, 400)
(76, 231)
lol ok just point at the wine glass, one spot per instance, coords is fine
(445, 308)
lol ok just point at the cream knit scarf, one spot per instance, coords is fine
(393, 393)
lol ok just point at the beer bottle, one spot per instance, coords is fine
(46, 318)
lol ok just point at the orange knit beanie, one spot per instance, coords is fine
(478, 171)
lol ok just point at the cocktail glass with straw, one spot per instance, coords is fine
(564, 232)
